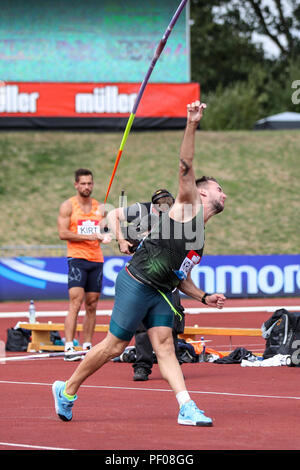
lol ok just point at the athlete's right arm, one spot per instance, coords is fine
(188, 193)
(188, 199)
(63, 224)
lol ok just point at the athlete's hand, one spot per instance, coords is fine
(215, 300)
(106, 239)
(103, 238)
(195, 111)
(124, 246)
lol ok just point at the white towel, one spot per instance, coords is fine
(277, 360)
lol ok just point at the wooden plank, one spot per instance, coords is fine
(41, 333)
(56, 327)
(48, 347)
(202, 330)
(220, 331)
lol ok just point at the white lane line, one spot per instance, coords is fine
(28, 446)
(108, 387)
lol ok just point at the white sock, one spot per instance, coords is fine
(68, 345)
(87, 345)
(182, 398)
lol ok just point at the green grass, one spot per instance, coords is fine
(259, 171)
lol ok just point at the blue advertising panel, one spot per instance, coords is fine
(234, 276)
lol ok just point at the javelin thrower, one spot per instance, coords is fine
(161, 264)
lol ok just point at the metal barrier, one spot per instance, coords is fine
(11, 251)
(50, 251)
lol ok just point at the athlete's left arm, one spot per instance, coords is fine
(189, 288)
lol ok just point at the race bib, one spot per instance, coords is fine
(189, 262)
(88, 227)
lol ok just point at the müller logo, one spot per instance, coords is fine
(104, 100)
(12, 101)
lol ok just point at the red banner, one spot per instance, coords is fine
(95, 99)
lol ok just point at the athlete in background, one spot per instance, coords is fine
(80, 221)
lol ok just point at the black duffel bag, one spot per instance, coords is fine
(17, 339)
(282, 334)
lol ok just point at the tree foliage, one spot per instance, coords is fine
(279, 20)
(220, 52)
(235, 73)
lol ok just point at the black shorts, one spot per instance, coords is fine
(85, 274)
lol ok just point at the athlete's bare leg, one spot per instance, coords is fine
(163, 345)
(99, 355)
(91, 300)
(76, 296)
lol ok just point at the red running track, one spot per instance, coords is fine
(252, 408)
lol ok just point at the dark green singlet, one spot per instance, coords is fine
(169, 252)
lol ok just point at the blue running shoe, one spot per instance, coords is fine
(190, 415)
(63, 405)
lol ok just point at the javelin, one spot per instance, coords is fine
(40, 356)
(158, 51)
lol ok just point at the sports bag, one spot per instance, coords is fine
(17, 339)
(282, 334)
